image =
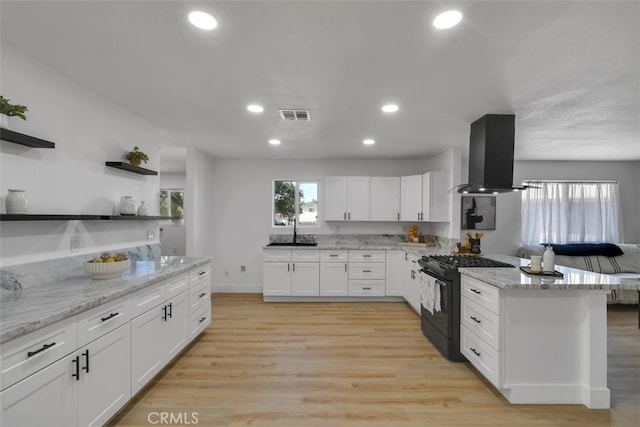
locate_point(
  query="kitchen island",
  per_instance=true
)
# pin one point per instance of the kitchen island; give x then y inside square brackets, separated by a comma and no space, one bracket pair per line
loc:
[539,339]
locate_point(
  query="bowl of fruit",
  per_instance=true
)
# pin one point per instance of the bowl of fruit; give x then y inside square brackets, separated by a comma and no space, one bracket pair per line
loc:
[107,266]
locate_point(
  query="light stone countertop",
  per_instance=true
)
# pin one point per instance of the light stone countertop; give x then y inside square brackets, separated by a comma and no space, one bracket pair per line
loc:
[33,308]
[574,279]
[364,246]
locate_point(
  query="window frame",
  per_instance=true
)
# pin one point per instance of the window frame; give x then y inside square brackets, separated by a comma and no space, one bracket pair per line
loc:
[296,203]
[173,190]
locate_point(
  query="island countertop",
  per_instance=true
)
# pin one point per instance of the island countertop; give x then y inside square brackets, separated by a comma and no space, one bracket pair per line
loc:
[574,279]
[26,310]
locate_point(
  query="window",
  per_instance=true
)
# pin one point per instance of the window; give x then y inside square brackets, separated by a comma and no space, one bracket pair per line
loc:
[172,203]
[571,211]
[291,197]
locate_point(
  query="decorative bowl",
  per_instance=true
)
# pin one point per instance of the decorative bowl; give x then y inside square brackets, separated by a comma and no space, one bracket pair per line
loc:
[107,270]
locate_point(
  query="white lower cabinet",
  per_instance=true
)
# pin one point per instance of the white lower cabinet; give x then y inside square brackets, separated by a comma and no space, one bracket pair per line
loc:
[411,282]
[276,278]
[291,273]
[393,273]
[305,279]
[47,380]
[84,388]
[333,279]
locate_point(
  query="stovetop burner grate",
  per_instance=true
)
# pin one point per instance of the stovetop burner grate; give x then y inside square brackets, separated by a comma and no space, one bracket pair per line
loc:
[467,261]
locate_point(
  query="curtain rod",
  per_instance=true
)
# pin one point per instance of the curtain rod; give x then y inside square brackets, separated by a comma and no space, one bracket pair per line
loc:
[571,181]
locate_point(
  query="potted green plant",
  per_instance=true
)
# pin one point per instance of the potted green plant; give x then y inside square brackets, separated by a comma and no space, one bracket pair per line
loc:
[8,109]
[135,157]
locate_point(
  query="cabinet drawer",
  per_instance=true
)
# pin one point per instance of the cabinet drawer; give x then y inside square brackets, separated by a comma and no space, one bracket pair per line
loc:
[147,298]
[277,255]
[485,358]
[363,270]
[98,321]
[482,322]
[366,288]
[200,320]
[175,285]
[199,296]
[482,293]
[29,353]
[310,255]
[367,256]
[200,275]
[334,256]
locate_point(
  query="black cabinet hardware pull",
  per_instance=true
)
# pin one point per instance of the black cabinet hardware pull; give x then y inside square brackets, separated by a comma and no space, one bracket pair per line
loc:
[201,273]
[86,361]
[202,294]
[164,313]
[333,255]
[398,216]
[476,320]
[76,360]
[170,309]
[474,351]
[345,216]
[345,268]
[366,271]
[294,267]
[43,348]
[349,216]
[203,319]
[366,256]
[475,291]
[367,289]
[112,315]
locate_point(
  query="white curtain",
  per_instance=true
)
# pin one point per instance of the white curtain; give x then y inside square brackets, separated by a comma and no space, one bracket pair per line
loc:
[567,212]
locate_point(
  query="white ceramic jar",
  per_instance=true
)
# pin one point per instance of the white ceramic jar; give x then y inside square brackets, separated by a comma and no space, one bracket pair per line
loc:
[127,206]
[16,202]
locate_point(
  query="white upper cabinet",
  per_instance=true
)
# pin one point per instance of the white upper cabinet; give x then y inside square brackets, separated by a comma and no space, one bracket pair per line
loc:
[436,198]
[385,198]
[411,198]
[347,198]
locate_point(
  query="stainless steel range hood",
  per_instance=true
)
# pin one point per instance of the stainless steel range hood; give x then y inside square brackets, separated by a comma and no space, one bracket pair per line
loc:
[491,155]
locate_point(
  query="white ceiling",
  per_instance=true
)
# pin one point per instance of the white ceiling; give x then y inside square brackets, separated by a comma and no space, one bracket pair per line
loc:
[570,71]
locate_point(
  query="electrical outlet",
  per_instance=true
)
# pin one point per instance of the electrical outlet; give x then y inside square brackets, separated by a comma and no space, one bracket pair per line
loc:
[226,273]
[75,243]
[150,235]
[243,268]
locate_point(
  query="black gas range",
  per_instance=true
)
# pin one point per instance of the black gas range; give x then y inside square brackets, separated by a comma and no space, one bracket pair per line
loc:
[442,328]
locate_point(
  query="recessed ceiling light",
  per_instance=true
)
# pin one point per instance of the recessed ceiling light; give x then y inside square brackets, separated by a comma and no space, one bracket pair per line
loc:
[481,189]
[390,108]
[495,192]
[202,20]
[447,19]
[368,142]
[274,141]
[255,108]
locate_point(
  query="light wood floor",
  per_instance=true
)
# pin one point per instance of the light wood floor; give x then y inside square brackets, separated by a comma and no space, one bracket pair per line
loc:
[355,364]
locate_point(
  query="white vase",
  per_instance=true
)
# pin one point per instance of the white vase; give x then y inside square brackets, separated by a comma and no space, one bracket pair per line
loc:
[127,206]
[16,202]
[142,209]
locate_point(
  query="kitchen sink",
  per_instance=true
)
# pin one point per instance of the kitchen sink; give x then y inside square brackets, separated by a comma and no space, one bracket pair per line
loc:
[293,244]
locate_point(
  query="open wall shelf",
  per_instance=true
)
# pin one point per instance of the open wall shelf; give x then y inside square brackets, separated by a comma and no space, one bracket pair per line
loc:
[130,168]
[22,139]
[71,217]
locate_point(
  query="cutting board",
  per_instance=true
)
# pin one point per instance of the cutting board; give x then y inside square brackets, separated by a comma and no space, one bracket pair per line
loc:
[416,245]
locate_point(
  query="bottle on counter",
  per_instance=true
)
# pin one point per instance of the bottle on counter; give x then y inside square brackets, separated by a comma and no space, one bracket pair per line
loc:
[142,209]
[548,260]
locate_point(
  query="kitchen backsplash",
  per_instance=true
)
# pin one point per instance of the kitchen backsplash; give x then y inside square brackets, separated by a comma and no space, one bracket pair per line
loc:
[37,273]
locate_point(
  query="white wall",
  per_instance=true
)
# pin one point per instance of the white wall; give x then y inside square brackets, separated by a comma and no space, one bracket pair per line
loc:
[240,219]
[506,238]
[72,178]
[173,180]
[200,207]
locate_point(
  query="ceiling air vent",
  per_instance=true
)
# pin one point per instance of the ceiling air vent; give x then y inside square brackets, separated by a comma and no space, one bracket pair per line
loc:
[302,115]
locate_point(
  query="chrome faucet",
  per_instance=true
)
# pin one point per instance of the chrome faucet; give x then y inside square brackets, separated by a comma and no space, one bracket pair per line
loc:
[295,233]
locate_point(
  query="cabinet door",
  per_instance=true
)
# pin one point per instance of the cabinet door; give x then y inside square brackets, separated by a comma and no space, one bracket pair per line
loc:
[436,199]
[46,398]
[147,355]
[335,200]
[305,279]
[105,375]
[358,203]
[385,198]
[394,273]
[276,278]
[176,324]
[410,198]
[333,279]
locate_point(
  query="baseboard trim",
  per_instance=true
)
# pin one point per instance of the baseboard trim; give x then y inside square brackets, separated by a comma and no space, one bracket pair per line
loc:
[237,289]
